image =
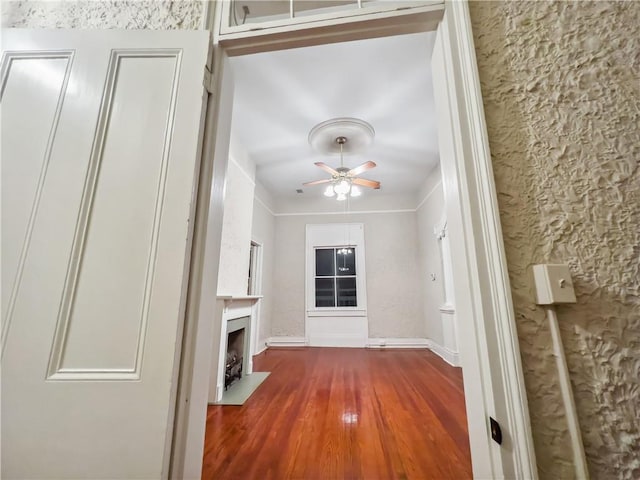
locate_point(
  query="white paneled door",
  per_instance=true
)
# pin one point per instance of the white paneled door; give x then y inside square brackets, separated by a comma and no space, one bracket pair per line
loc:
[100,150]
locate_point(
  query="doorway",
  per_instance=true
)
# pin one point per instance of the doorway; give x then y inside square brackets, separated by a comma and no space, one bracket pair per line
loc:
[489,349]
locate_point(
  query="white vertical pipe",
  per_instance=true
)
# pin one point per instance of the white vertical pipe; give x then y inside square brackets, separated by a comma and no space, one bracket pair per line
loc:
[579,460]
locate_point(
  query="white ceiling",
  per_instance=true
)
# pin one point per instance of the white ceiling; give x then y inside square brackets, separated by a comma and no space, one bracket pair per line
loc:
[280,96]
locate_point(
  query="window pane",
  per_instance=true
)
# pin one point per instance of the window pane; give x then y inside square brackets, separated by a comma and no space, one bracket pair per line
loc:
[347,292]
[324,262]
[325,293]
[346,261]
[258,11]
[315,7]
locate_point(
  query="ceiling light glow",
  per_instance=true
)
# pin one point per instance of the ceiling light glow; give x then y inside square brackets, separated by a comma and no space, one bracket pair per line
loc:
[342,187]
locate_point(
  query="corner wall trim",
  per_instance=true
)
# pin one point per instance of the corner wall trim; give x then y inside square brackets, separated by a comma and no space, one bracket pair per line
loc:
[252,180]
[264,204]
[261,349]
[449,356]
[426,197]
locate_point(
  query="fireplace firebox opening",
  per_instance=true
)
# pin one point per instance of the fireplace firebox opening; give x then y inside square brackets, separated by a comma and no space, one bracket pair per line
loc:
[234,358]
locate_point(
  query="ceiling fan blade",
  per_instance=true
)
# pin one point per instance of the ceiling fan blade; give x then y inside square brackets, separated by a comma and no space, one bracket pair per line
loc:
[317,182]
[326,168]
[366,183]
[361,168]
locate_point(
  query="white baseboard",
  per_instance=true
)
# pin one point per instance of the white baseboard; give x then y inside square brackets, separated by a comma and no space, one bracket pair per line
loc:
[449,356]
[397,343]
[286,342]
[338,341]
[452,358]
[261,347]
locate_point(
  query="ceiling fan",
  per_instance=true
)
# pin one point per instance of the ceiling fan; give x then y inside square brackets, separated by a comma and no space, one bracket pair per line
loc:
[343,180]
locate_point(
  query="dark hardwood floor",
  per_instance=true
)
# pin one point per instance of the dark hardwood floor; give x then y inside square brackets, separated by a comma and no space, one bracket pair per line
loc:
[331,413]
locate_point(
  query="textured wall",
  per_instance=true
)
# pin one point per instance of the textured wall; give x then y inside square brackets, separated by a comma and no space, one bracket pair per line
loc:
[152,15]
[288,277]
[394,303]
[561,88]
[428,215]
[263,232]
[393,297]
[236,231]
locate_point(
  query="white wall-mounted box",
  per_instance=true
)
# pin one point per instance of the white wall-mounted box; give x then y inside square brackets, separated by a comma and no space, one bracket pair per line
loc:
[553,284]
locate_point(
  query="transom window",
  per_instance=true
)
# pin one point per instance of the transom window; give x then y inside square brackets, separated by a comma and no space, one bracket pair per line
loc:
[244,18]
[249,12]
[335,278]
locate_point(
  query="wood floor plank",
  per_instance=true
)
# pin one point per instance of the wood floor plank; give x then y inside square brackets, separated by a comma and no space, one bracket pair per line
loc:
[331,413]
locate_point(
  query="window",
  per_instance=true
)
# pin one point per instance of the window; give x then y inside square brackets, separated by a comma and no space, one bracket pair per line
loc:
[335,271]
[335,277]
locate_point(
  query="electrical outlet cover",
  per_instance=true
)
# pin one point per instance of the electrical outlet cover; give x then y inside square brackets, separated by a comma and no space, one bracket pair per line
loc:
[553,284]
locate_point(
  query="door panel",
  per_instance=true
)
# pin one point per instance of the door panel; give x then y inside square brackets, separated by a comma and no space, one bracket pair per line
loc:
[35,110]
[98,178]
[123,195]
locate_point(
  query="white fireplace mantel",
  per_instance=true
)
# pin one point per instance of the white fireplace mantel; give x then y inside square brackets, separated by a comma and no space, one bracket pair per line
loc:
[234,302]
[235,307]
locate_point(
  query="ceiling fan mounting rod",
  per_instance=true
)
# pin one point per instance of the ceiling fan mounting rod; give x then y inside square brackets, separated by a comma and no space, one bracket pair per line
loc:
[341,140]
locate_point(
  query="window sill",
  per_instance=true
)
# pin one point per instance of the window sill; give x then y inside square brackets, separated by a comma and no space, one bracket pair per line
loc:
[337,312]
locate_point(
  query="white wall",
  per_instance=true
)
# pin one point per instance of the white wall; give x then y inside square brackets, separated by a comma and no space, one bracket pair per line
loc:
[236,225]
[393,276]
[371,200]
[391,241]
[263,232]
[429,214]
[288,276]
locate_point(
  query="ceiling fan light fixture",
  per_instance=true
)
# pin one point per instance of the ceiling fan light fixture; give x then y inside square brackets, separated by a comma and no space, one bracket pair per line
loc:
[343,135]
[342,187]
[329,191]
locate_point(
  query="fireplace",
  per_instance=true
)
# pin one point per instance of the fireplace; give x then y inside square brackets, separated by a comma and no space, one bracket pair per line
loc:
[236,353]
[234,357]
[233,364]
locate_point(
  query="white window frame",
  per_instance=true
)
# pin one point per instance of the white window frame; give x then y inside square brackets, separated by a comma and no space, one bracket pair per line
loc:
[359,9]
[335,235]
[335,275]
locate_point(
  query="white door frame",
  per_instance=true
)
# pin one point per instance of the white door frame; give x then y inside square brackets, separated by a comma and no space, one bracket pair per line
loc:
[490,355]
[256,289]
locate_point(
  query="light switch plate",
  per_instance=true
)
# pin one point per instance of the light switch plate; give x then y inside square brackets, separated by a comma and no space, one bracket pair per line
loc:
[553,284]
